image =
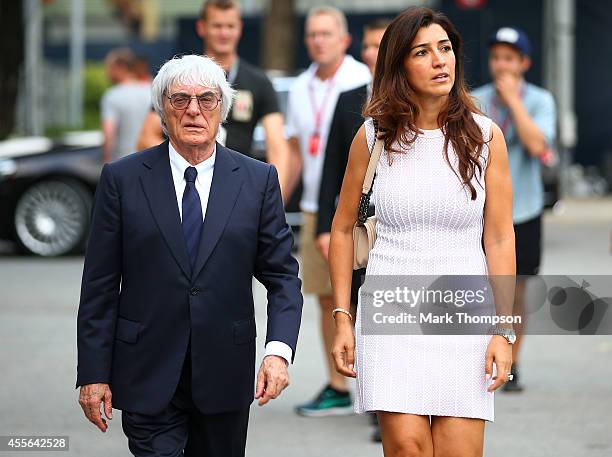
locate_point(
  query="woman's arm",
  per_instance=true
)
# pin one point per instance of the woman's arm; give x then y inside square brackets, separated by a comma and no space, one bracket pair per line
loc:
[498,240]
[341,250]
[498,233]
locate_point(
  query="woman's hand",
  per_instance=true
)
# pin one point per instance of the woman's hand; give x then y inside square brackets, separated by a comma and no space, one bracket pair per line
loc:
[344,346]
[500,352]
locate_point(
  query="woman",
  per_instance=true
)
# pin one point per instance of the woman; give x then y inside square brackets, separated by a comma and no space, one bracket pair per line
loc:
[440,159]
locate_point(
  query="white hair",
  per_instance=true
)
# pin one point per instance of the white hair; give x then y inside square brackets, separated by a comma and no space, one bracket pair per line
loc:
[194,70]
[332,11]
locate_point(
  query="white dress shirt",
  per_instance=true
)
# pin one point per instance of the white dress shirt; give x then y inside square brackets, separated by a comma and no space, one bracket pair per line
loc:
[306,90]
[205,169]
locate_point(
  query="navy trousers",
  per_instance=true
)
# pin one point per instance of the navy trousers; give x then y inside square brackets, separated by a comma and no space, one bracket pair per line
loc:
[182,430]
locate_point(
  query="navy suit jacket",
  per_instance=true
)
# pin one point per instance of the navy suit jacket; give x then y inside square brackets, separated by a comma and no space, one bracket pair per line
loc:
[141,303]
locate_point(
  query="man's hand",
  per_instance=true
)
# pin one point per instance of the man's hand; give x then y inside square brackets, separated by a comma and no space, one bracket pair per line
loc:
[90,397]
[271,379]
[509,88]
[323,244]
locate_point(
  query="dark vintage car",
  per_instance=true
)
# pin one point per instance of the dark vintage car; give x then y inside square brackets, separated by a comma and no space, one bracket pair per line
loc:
[46,192]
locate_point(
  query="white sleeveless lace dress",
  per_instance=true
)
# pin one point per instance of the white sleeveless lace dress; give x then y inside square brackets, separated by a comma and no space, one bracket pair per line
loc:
[427,225]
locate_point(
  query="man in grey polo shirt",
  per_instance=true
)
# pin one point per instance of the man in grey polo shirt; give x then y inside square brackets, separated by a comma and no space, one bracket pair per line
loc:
[526,115]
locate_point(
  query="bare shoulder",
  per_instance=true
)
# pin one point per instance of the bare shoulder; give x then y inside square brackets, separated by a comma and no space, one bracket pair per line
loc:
[361,134]
[498,152]
[359,146]
[497,137]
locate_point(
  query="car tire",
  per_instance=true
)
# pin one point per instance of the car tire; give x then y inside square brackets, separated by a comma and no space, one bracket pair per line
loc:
[52,217]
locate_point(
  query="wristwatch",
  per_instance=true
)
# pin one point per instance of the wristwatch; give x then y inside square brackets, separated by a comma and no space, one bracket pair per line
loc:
[506,332]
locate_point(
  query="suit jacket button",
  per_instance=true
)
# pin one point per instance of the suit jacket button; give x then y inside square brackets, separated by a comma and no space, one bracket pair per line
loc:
[194,291]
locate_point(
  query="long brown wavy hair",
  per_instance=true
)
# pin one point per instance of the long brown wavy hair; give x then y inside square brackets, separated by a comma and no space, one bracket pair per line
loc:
[393,103]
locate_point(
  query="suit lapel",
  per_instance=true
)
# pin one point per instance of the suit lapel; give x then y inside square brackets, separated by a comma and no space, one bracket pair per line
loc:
[158,186]
[224,190]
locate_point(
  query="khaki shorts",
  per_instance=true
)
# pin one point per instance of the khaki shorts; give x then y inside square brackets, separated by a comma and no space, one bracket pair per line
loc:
[315,270]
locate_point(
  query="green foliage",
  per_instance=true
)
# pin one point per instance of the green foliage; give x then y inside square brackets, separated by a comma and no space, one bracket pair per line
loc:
[96,83]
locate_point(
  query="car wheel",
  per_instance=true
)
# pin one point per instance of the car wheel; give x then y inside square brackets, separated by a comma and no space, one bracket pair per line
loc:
[52,217]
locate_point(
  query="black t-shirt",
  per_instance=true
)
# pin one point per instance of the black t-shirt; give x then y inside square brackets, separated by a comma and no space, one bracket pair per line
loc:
[255,98]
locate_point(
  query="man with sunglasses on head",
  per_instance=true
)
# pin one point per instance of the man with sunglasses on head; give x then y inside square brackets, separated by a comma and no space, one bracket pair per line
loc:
[311,104]
[220,28]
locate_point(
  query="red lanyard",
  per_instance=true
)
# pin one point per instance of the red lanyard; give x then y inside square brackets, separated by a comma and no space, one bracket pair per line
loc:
[315,139]
[504,123]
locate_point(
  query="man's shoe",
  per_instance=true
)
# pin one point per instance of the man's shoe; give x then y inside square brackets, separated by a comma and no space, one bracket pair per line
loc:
[329,402]
[514,385]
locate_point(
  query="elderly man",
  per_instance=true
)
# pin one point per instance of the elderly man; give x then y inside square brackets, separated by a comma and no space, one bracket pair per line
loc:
[166,326]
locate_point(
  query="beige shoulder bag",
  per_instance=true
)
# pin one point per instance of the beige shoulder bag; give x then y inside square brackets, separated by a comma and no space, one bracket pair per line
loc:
[364,230]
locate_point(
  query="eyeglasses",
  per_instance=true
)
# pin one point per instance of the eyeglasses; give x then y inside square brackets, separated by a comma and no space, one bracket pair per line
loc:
[208,101]
[323,34]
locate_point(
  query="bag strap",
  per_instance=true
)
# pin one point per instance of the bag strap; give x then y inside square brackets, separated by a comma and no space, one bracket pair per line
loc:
[368,180]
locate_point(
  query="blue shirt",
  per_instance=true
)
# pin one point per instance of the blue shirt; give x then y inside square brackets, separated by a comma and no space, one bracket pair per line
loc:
[527,187]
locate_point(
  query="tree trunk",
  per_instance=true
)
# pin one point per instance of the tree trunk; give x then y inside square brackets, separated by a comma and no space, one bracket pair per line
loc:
[11,59]
[279,36]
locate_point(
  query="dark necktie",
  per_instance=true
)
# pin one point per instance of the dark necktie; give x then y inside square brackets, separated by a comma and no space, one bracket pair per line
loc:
[192,214]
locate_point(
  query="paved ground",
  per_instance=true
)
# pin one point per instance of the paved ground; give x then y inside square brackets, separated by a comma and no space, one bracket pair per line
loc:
[566,410]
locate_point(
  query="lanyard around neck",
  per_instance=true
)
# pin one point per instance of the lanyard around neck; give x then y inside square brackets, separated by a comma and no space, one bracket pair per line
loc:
[504,124]
[317,111]
[314,143]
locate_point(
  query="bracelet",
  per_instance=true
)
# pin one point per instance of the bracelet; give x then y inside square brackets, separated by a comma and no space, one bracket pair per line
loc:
[341,310]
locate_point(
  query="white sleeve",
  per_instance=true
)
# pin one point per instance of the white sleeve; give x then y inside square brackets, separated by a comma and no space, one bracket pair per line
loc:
[292,128]
[280,349]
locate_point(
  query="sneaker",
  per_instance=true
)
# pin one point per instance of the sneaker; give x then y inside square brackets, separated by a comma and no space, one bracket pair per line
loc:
[514,385]
[329,402]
